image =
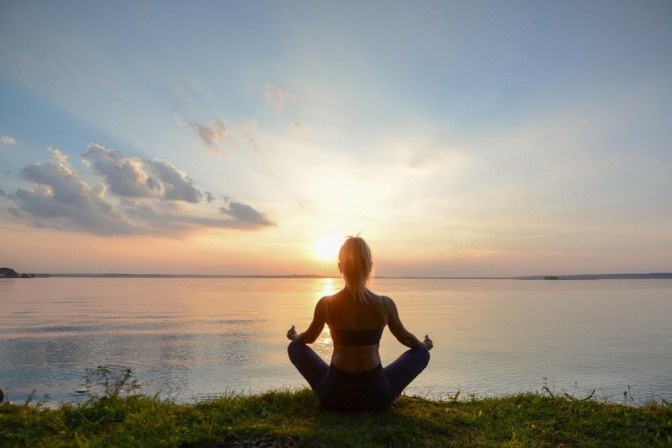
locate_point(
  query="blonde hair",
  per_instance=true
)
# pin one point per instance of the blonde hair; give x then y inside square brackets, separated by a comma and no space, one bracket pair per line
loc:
[354,261]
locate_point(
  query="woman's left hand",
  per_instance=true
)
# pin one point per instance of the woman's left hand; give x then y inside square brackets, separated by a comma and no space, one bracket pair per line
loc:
[428,343]
[291,333]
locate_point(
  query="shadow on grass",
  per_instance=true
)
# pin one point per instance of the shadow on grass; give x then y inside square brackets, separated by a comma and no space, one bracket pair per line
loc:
[286,419]
[303,423]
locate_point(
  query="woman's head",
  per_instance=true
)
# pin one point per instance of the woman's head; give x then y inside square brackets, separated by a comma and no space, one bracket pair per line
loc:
[354,262]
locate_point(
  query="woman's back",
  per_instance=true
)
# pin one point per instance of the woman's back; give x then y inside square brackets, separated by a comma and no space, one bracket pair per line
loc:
[356,327]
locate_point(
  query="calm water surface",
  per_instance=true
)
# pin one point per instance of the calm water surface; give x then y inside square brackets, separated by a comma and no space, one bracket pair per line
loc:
[190,338]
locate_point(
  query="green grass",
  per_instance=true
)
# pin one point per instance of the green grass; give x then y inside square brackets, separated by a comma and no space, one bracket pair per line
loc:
[295,419]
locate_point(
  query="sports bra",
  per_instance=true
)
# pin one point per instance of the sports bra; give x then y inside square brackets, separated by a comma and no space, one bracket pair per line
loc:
[359,337]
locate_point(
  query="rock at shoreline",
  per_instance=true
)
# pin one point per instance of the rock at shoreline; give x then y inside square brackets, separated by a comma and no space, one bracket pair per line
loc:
[11,273]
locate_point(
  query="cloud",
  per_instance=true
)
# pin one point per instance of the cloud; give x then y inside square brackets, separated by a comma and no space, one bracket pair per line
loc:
[126,176]
[134,177]
[209,133]
[245,213]
[171,221]
[278,96]
[174,184]
[184,91]
[137,196]
[6,140]
[299,126]
[217,134]
[62,199]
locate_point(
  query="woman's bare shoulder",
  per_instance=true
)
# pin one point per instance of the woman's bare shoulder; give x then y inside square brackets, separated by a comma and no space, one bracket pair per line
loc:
[383,297]
[380,298]
[321,304]
[389,304]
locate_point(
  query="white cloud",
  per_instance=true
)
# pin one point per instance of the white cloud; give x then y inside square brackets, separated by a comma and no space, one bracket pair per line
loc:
[138,196]
[173,221]
[59,156]
[210,133]
[278,96]
[246,214]
[6,140]
[299,126]
[63,200]
[126,176]
[134,177]
[174,184]
[218,135]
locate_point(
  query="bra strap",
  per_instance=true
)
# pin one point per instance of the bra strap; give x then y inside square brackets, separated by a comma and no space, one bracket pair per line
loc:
[384,311]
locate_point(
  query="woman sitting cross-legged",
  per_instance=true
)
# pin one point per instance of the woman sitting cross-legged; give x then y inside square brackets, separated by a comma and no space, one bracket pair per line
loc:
[355,379]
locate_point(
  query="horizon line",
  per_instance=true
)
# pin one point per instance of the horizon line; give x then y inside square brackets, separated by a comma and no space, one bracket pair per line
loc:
[622,275]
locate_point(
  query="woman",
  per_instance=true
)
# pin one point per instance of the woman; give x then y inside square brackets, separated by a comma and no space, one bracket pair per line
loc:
[355,379]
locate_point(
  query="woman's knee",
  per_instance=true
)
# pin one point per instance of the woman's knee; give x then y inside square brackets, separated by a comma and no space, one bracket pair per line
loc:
[294,349]
[422,354]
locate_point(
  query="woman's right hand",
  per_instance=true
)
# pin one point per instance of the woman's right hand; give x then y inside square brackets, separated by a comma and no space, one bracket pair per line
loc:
[428,343]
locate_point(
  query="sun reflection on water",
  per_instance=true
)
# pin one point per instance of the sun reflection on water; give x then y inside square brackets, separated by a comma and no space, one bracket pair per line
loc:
[328,287]
[323,344]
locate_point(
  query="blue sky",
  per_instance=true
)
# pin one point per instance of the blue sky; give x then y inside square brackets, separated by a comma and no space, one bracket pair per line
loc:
[460,138]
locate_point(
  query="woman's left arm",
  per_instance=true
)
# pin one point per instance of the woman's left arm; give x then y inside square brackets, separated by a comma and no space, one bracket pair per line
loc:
[314,329]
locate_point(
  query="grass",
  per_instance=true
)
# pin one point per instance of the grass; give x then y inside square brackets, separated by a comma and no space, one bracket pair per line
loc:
[121,417]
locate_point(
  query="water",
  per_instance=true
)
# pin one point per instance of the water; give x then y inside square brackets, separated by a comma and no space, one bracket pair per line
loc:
[192,338]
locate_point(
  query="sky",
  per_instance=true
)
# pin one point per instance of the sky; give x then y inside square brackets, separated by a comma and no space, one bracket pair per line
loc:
[484,138]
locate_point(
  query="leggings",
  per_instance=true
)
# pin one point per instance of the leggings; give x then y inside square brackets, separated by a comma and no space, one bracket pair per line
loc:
[376,389]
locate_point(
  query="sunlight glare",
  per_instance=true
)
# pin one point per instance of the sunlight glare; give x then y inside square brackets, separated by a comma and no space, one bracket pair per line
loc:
[326,247]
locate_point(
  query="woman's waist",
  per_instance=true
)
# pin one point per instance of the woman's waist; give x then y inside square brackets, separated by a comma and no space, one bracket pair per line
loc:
[355,359]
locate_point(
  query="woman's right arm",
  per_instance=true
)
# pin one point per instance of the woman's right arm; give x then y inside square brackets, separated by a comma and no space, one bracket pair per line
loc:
[397,328]
[315,327]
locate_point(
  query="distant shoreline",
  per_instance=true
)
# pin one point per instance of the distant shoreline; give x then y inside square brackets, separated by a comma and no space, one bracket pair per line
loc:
[624,276]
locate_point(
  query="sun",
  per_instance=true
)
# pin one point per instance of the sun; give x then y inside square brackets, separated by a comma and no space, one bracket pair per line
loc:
[326,247]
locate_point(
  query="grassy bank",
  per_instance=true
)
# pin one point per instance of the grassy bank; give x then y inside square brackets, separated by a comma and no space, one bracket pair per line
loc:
[294,419]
